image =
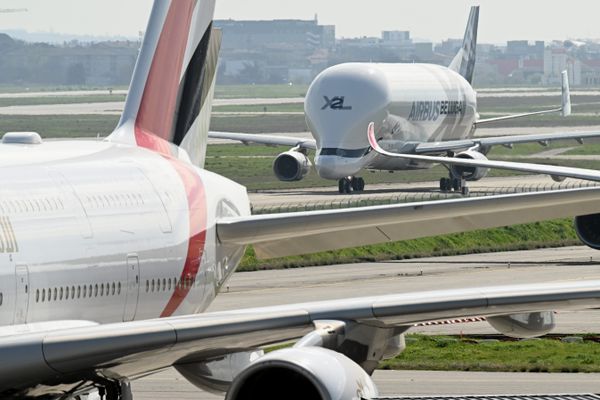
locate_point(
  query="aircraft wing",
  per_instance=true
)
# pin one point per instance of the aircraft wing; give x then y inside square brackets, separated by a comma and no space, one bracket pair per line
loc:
[544,138]
[567,172]
[133,349]
[269,140]
[279,235]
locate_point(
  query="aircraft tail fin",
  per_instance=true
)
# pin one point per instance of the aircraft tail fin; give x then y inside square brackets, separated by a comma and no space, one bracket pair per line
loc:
[170,97]
[464,62]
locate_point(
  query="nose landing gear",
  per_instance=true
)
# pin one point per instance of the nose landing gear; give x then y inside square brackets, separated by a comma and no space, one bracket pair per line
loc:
[454,184]
[351,184]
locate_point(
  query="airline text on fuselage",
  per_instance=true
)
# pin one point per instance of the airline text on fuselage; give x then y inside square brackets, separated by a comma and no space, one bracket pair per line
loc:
[432,110]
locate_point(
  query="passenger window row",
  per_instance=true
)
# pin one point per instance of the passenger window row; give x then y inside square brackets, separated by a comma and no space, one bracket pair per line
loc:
[165,285]
[114,200]
[1,298]
[77,292]
[31,205]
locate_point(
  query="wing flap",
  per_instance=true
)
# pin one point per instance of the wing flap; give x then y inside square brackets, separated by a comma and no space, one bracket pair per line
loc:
[278,235]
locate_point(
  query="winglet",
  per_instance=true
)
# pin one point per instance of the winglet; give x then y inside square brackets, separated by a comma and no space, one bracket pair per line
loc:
[372,139]
[566,95]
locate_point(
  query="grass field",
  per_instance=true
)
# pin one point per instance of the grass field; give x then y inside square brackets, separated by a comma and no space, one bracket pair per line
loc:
[450,354]
[60,126]
[259,91]
[47,100]
[520,237]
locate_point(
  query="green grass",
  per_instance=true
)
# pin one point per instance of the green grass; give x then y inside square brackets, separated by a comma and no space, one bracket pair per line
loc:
[259,91]
[60,126]
[47,100]
[520,237]
[293,107]
[545,355]
[259,123]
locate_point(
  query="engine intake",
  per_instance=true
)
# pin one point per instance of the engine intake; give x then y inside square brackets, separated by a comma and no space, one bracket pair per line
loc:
[588,230]
[470,173]
[291,166]
[303,373]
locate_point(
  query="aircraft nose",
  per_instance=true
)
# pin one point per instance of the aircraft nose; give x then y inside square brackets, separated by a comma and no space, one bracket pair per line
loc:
[336,167]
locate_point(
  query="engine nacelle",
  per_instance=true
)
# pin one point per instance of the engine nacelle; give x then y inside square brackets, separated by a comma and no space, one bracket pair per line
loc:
[588,230]
[470,173]
[303,373]
[291,166]
[524,326]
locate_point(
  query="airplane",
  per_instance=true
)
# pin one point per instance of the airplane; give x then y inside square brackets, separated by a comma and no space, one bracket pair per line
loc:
[111,251]
[421,109]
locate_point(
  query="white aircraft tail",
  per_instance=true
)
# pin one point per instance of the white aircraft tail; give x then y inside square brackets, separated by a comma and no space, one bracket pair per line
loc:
[464,62]
[170,98]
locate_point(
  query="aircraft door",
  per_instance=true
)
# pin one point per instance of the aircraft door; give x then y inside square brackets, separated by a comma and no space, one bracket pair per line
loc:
[132,289]
[22,294]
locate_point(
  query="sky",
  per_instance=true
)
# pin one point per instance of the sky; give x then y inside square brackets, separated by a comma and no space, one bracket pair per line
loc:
[427,19]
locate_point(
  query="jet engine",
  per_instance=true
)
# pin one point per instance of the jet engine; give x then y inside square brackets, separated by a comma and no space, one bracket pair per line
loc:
[524,326]
[470,173]
[291,166]
[588,230]
[303,373]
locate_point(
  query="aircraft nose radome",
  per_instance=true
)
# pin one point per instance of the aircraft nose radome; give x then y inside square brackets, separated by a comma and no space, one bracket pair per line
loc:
[335,167]
[343,99]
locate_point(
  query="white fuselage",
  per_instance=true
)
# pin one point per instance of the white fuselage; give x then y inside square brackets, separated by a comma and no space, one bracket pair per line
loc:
[96,231]
[409,103]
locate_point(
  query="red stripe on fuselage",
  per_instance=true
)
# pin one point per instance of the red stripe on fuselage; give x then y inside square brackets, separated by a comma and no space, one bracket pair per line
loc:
[157,108]
[196,197]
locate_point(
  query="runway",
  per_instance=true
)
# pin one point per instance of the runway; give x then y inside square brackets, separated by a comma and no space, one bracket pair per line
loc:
[171,385]
[264,288]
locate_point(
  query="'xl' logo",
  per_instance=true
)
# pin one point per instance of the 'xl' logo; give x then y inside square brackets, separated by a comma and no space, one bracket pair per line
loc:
[336,103]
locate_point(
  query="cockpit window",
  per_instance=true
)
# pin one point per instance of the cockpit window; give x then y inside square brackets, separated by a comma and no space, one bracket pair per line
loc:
[331,151]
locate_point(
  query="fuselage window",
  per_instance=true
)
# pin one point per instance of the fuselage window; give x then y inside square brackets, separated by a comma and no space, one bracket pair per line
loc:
[113,289]
[43,295]
[96,290]
[1,298]
[67,293]
[55,294]
[37,296]
[90,291]
[61,294]
[72,292]
[164,287]
[101,289]
[79,291]
[147,285]
[169,284]
[119,288]
[84,291]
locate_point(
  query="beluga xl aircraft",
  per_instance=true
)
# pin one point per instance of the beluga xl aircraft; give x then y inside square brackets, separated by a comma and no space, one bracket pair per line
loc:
[111,251]
[419,109]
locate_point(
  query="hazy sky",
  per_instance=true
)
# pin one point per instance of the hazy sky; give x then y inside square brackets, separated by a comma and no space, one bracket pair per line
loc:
[429,19]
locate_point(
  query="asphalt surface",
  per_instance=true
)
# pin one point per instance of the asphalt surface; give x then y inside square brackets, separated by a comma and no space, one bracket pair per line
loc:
[402,191]
[265,288]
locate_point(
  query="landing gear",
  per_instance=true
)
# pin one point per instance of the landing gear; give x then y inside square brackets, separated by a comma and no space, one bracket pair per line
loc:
[454,184]
[119,390]
[351,184]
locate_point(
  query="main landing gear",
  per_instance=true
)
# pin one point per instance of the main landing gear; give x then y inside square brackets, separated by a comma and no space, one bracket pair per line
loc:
[454,184]
[351,184]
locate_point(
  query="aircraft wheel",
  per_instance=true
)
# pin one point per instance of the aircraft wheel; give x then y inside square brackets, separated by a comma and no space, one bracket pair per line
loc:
[465,191]
[445,184]
[341,185]
[361,184]
[456,184]
[347,186]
